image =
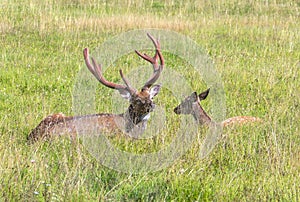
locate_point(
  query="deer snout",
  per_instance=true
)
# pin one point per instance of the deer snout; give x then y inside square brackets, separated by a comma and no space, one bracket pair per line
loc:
[152,107]
[177,110]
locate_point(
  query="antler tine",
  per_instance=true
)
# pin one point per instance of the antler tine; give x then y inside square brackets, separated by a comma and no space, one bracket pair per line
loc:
[154,61]
[145,57]
[88,64]
[130,89]
[96,70]
[155,42]
[157,55]
[158,52]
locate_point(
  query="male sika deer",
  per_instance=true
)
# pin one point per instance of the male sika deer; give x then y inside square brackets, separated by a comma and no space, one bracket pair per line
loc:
[133,121]
[191,105]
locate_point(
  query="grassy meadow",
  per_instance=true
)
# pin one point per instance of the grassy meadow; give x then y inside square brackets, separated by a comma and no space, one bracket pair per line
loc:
[255,47]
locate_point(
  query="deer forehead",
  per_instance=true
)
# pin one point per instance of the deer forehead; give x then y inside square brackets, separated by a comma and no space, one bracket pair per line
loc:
[143,94]
[188,100]
[141,99]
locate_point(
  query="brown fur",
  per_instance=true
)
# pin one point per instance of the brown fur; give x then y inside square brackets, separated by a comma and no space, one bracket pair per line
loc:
[59,124]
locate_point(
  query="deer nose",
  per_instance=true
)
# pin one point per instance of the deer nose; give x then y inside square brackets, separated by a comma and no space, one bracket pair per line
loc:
[176,110]
[152,106]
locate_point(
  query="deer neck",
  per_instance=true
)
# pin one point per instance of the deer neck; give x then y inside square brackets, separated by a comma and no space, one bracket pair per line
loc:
[200,115]
[133,118]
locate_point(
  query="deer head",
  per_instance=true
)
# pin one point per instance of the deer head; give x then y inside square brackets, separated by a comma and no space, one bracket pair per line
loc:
[186,106]
[191,105]
[141,102]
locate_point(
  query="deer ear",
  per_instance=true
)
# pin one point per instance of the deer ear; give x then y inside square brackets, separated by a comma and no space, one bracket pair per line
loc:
[154,90]
[203,95]
[194,97]
[125,94]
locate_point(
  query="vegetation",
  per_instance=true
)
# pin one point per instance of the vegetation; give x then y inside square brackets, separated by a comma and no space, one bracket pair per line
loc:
[255,47]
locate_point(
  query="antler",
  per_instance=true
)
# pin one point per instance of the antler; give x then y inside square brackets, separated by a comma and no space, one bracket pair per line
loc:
[96,70]
[154,61]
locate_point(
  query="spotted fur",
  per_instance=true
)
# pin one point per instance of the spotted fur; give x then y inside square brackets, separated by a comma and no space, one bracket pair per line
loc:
[132,122]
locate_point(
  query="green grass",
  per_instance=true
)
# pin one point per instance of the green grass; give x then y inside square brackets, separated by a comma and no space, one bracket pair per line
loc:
[255,47]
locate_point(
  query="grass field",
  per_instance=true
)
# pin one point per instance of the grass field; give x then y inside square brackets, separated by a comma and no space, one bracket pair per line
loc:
[255,47]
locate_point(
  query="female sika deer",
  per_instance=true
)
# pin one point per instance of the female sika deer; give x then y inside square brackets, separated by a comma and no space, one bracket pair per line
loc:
[133,121]
[191,105]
